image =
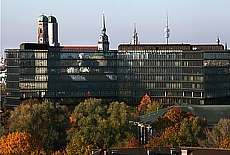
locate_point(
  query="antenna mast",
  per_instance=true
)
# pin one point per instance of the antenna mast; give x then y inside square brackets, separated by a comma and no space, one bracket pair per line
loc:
[167,30]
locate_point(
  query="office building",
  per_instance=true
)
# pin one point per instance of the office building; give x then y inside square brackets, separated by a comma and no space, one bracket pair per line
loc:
[169,73]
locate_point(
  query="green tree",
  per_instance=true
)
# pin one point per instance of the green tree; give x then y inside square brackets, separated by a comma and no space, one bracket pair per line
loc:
[119,116]
[192,131]
[2,131]
[47,122]
[79,146]
[101,125]
[154,106]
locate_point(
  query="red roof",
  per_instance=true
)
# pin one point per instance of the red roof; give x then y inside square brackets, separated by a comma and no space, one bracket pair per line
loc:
[78,47]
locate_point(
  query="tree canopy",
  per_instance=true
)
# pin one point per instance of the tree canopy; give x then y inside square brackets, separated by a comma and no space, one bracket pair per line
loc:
[20,143]
[178,128]
[147,106]
[47,122]
[219,133]
[101,125]
[154,106]
[143,106]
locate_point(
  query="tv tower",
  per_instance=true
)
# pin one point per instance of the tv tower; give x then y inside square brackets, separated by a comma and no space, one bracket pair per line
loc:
[167,30]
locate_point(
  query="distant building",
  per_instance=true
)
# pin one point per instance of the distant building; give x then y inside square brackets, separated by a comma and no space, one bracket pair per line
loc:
[170,73]
[175,73]
[48,30]
[78,72]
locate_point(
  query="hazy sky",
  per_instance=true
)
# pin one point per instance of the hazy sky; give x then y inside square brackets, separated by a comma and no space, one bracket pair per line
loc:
[190,21]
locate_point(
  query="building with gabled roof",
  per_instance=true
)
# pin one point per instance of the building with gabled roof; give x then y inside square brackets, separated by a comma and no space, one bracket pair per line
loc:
[211,113]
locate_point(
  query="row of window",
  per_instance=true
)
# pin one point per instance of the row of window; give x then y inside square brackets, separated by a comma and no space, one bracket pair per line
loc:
[220,55]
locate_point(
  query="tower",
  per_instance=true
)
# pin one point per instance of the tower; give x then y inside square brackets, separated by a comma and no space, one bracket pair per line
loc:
[135,37]
[43,29]
[53,31]
[103,42]
[167,30]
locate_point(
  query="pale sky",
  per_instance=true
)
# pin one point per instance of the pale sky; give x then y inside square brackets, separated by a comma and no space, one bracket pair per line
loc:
[190,21]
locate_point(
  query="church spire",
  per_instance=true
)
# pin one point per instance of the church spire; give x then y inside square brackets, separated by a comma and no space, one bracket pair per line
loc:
[103,29]
[135,37]
[103,42]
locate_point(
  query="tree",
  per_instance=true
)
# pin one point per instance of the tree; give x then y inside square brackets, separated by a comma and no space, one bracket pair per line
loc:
[177,128]
[154,106]
[2,131]
[47,122]
[225,144]
[220,132]
[100,125]
[172,117]
[20,143]
[30,101]
[132,143]
[192,131]
[79,146]
[119,115]
[143,106]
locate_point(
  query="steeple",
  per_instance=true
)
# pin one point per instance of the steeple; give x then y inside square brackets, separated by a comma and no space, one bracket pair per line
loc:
[135,37]
[103,29]
[103,42]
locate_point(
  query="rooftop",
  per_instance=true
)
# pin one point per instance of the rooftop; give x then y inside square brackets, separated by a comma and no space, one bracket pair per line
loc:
[212,113]
[183,47]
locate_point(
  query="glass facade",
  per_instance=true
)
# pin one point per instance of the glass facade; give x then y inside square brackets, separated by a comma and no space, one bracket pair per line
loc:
[193,77]
[58,74]
[217,76]
[157,73]
[76,73]
[172,75]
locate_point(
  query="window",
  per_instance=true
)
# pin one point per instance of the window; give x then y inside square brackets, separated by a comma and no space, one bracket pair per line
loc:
[40,30]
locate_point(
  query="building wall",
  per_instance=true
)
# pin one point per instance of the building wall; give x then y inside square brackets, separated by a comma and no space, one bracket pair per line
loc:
[193,77]
[156,72]
[217,77]
[175,74]
[57,74]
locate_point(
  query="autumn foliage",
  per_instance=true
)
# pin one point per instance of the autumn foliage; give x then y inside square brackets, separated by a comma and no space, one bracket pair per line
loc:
[177,128]
[143,106]
[225,144]
[132,143]
[20,143]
